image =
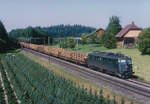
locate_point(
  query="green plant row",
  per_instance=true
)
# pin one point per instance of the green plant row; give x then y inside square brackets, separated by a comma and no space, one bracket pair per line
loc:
[30,86]
[55,90]
[2,96]
[19,89]
[26,82]
[9,91]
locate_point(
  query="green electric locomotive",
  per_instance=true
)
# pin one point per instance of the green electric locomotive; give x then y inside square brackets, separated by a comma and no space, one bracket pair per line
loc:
[116,64]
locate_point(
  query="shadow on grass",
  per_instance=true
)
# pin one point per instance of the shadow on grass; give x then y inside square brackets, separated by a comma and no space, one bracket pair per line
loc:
[137,77]
[11,46]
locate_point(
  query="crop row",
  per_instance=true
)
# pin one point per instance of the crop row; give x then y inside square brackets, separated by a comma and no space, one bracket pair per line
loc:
[2,96]
[9,91]
[19,89]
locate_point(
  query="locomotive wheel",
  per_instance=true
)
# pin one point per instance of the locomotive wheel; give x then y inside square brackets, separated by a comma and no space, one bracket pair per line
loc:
[123,76]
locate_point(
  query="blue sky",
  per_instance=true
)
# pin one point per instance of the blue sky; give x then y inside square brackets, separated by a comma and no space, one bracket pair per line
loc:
[96,13]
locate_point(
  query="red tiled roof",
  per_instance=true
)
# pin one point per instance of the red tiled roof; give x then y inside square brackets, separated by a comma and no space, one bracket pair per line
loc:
[126,29]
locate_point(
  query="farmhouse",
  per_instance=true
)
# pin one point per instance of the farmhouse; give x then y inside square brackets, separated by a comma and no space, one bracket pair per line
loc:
[128,36]
[95,35]
[99,32]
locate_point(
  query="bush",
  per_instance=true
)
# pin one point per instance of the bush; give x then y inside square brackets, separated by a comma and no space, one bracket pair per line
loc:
[109,40]
[83,39]
[68,43]
[144,41]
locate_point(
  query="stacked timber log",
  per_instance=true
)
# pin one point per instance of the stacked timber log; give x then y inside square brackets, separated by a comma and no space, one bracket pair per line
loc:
[65,54]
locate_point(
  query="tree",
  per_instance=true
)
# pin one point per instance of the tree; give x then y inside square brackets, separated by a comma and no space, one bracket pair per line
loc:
[98,39]
[71,43]
[67,43]
[38,35]
[144,41]
[92,38]
[114,25]
[59,31]
[109,40]
[3,32]
[3,37]
[83,39]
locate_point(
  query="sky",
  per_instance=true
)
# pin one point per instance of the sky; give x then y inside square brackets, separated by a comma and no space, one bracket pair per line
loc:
[96,13]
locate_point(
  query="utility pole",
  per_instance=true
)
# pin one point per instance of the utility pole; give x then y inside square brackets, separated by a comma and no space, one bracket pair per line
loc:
[48,41]
[77,45]
[34,41]
[49,59]
[44,41]
[59,43]
[30,40]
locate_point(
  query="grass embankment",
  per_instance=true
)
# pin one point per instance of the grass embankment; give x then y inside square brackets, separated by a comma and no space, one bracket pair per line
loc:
[141,63]
[75,79]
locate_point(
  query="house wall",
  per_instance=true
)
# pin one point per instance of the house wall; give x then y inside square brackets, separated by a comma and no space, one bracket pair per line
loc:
[100,32]
[120,44]
[131,34]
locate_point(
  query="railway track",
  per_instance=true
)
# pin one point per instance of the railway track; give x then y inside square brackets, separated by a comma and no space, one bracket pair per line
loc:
[139,82]
[137,90]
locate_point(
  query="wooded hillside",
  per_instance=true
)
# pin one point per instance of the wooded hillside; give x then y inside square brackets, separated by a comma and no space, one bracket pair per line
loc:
[68,30]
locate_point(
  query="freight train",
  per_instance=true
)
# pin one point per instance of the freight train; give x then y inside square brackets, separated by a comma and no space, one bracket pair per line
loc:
[111,63]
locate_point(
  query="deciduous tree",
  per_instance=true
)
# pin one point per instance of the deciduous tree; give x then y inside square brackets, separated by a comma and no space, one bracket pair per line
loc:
[83,39]
[144,41]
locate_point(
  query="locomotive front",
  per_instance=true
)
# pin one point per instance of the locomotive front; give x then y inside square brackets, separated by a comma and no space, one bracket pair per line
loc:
[125,67]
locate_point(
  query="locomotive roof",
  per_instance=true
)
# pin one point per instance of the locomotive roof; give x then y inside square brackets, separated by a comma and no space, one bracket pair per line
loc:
[108,55]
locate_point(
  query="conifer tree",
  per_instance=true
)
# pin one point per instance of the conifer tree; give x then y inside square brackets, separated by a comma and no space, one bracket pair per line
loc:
[3,37]
[3,32]
[113,28]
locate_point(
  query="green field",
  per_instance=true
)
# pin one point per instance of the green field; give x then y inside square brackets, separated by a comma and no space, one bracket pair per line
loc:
[141,63]
[34,83]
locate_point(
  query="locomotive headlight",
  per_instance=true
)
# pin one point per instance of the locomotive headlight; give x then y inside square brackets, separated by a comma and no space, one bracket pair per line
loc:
[123,60]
